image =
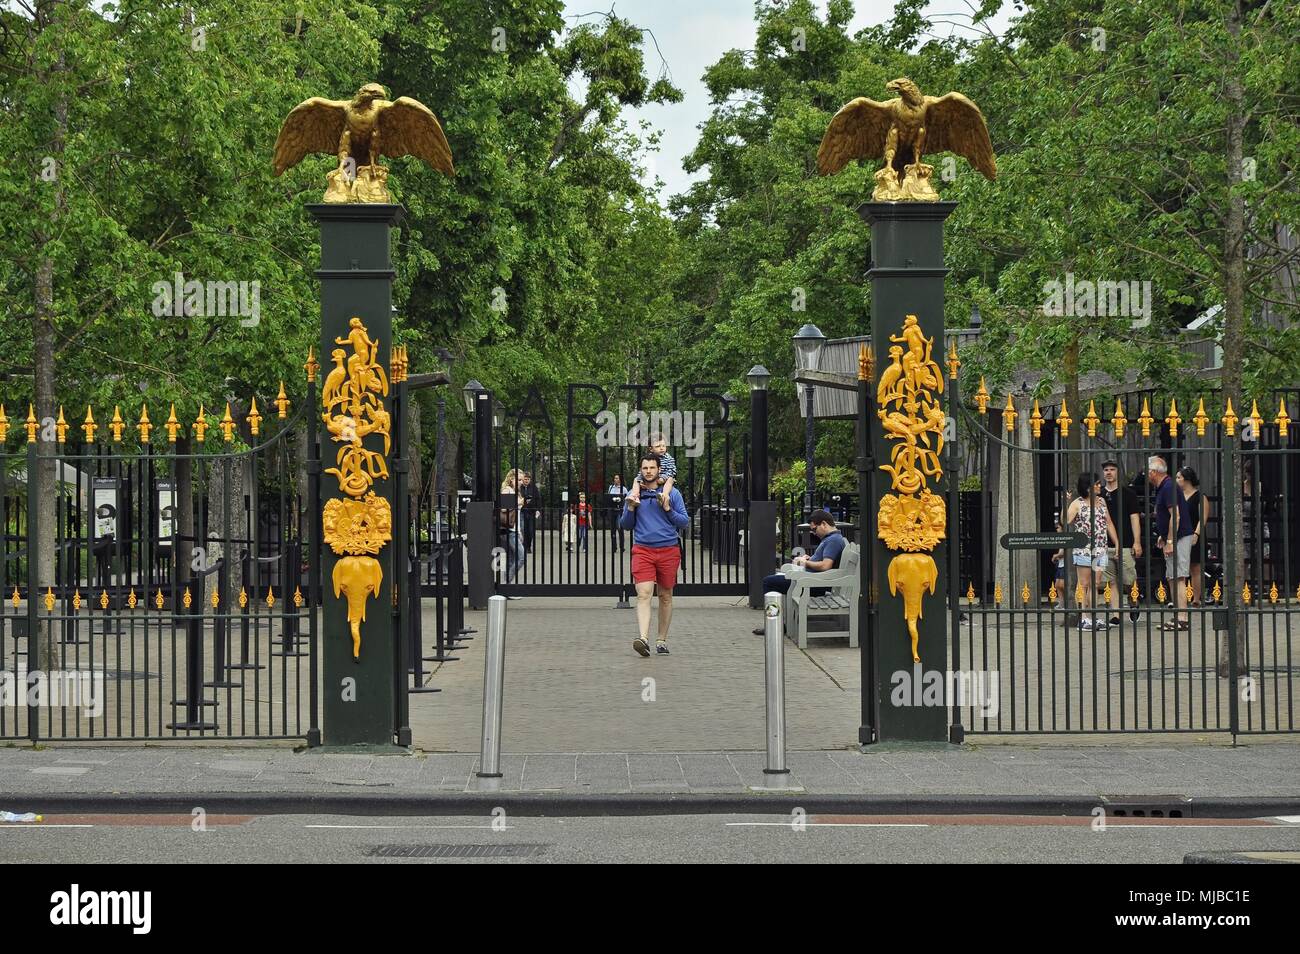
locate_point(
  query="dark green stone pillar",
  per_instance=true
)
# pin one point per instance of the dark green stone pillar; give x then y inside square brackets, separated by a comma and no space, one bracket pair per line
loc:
[356,277]
[907,275]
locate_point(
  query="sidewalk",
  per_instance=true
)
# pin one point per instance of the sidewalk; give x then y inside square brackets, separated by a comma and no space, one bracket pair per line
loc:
[1219,781]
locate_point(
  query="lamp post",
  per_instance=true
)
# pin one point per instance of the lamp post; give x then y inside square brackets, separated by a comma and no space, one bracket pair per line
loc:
[808,343]
[728,402]
[478,404]
[762,511]
[758,377]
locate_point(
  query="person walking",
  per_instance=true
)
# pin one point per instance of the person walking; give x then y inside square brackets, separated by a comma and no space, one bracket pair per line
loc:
[1087,514]
[826,557]
[1125,514]
[509,503]
[616,494]
[584,521]
[656,556]
[532,509]
[1173,537]
[1198,516]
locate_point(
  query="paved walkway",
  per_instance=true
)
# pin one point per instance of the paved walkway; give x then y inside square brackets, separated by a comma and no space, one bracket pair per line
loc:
[1254,771]
[574,684]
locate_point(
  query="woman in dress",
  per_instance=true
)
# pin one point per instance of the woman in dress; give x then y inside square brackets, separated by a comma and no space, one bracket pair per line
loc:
[1198,516]
[1087,514]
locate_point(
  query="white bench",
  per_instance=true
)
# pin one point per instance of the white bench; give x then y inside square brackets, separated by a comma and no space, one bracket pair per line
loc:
[842,600]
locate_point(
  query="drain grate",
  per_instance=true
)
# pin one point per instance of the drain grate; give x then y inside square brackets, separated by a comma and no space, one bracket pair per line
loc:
[456,851]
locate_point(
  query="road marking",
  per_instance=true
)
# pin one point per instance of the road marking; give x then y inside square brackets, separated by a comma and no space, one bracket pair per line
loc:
[817,824]
[420,827]
[35,825]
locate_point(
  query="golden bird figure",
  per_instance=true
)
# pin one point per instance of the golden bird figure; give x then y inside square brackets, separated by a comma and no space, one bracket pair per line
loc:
[903,131]
[359,131]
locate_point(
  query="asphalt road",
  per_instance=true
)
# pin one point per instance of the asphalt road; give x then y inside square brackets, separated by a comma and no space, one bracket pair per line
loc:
[678,839]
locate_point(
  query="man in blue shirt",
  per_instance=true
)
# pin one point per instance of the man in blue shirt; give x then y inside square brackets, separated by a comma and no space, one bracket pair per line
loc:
[1174,537]
[656,555]
[825,557]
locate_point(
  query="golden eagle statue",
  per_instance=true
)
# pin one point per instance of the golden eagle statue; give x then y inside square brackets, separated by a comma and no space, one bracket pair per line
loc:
[902,131]
[359,132]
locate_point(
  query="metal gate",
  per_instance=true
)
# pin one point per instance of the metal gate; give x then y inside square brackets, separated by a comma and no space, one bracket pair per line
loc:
[180,603]
[1214,652]
[571,537]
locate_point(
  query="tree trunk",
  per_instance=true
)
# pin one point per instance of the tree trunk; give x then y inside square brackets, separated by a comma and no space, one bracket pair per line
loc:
[43,483]
[1234,314]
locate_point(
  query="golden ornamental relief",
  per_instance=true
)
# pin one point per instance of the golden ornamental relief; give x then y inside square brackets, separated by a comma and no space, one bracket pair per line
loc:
[357,526]
[913,520]
[360,524]
[353,397]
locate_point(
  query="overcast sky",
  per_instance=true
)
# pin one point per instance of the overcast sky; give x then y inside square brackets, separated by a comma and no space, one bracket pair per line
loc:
[692,35]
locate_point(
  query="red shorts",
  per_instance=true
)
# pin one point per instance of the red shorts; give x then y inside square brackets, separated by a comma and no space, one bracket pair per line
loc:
[656,563]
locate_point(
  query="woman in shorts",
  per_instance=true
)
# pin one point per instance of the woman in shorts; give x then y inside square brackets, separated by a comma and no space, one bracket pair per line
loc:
[1087,515]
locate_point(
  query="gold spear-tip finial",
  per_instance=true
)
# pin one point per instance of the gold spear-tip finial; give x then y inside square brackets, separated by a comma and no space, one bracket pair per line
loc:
[254,420]
[1172,418]
[1256,419]
[90,426]
[1283,420]
[1092,420]
[954,362]
[201,425]
[311,366]
[4,425]
[282,403]
[227,425]
[1145,419]
[32,424]
[1036,420]
[982,397]
[1200,418]
[61,426]
[116,424]
[172,424]
[144,426]
[1009,415]
[1119,421]
[1229,420]
[1063,419]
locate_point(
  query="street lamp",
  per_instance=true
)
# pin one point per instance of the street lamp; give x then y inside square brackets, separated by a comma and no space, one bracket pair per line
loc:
[808,344]
[758,377]
[471,390]
[478,404]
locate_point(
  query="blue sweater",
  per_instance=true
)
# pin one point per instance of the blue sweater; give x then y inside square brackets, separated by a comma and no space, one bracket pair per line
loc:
[653,525]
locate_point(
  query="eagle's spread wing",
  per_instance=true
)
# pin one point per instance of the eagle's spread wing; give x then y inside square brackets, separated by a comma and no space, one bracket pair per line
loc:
[858,131]
[409,128]
[954,124]
[315,125]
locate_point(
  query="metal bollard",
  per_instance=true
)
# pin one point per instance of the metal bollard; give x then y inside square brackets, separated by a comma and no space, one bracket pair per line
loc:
[494,672]
[774,672]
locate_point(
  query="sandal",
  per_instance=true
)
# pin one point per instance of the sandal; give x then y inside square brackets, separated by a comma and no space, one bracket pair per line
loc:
[1169,626]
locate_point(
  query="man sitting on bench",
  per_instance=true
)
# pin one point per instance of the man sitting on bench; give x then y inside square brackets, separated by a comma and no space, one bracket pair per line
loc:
[825,557]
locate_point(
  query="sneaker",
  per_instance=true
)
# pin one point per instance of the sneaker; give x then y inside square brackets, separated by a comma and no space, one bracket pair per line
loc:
[641,646]
[1100,623]
[760,631]
[1114,619]
[661,648]
[1085,623]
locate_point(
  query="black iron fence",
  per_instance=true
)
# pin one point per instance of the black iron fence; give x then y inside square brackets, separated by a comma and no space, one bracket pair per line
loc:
[1131,641]
[175,600]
